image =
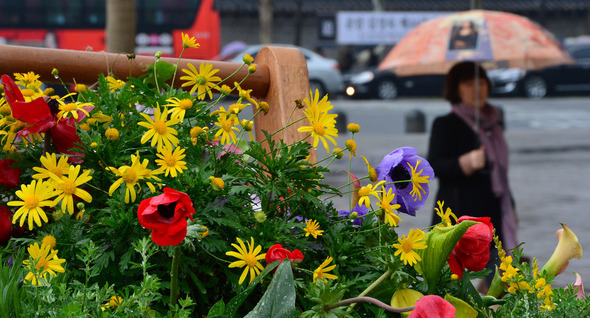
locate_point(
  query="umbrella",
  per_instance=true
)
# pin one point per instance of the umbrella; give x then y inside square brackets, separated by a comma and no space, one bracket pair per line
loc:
[497,39]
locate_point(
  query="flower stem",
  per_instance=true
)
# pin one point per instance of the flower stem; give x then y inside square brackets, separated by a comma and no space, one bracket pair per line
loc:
[371,300]
[174,276]
[376,283]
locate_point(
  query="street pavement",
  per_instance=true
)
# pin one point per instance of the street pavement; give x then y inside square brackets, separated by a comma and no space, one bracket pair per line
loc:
[549,176]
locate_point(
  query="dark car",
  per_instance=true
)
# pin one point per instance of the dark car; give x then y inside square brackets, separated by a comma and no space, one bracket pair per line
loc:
[555,80]
[373,84]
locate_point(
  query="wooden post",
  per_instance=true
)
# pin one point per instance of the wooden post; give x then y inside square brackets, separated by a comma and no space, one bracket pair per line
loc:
[281,76]
[289,81]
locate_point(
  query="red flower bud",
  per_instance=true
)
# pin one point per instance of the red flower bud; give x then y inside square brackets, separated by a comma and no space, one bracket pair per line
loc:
[277,252]
[472,252]
[9,177]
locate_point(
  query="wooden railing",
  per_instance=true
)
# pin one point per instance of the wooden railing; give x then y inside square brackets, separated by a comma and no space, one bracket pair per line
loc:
[281,76]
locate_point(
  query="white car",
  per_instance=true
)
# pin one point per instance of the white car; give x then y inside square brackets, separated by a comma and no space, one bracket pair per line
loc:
[324,73]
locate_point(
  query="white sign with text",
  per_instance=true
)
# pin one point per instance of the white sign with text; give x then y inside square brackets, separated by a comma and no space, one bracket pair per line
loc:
[382,27]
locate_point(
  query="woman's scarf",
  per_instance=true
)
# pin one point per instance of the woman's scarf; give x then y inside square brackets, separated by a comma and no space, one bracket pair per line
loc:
[491,136]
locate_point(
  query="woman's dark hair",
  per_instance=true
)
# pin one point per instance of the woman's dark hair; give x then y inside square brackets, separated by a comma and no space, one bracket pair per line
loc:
[461,72]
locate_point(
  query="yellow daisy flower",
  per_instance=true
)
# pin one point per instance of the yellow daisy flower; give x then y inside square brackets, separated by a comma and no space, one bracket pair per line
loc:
[71,109]
[171,161]
[130,175]
[226,128]
[114,302]
[179,107]
[160,131]
[366,191]
[188,41]
[52,166]
[312,228]
[28,80]
[202,81]
[68,187]
[114,83]
[46,262]
[385,204]
[370,170]
[34,196]
[446,215]
[248,257]
[320,273]
[407,246]
[322,124]
[417,180]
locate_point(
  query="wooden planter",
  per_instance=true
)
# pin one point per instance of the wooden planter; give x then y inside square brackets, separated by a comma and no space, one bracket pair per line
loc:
[281,76]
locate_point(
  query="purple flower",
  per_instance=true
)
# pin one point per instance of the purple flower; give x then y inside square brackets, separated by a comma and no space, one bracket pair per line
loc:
[360,211]
[404,164]
[10,261]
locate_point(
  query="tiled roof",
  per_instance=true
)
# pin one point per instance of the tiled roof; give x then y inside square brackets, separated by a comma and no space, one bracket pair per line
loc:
[331,6]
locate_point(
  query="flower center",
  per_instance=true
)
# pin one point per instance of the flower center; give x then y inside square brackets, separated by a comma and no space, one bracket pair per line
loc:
[364,191]
[171,161]
[185,104]
[167,210]
[42,263]
[399,172]
[318,129]
[201,80]
[56,171]
[407,246]
[31,202]
[250,260]
[68,187]
[69,107]
[130,176]
[226,125]
[27,92]
[160,127]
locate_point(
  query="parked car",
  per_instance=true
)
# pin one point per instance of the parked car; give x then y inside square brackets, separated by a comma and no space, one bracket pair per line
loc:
[555,80]
[373,84]
[324,73]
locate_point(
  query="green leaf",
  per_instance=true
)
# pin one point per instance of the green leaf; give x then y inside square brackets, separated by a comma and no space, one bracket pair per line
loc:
[463,308]
[279,298]
[217,309]
[234,304]
[440,242]
[163,70]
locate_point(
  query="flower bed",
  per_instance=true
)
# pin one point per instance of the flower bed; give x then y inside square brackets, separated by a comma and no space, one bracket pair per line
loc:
[132,198]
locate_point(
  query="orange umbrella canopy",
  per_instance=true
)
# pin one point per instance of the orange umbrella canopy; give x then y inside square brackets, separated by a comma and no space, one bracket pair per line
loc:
[497,39]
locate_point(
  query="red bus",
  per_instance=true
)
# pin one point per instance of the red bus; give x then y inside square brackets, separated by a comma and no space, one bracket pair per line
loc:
[80,25]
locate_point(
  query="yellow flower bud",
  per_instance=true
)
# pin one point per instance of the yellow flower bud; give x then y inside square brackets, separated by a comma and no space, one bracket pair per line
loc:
[49,91]
[259,216]
[196,131]
[217,184]
[112,134]
[54,72]
[252,68]
[225,90]
[94,145]
[80,88]
[264,107]
[351,146]
[85,126]
[338,153]
[49,240]
[353,128]
[248,59]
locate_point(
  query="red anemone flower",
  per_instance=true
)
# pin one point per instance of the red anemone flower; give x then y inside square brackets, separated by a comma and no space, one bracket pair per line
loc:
[166,215]
[9,177]
[5,224]
[42,118]
[277,252]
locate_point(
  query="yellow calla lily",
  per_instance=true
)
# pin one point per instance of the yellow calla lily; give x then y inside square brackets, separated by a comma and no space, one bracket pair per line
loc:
[567,248]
